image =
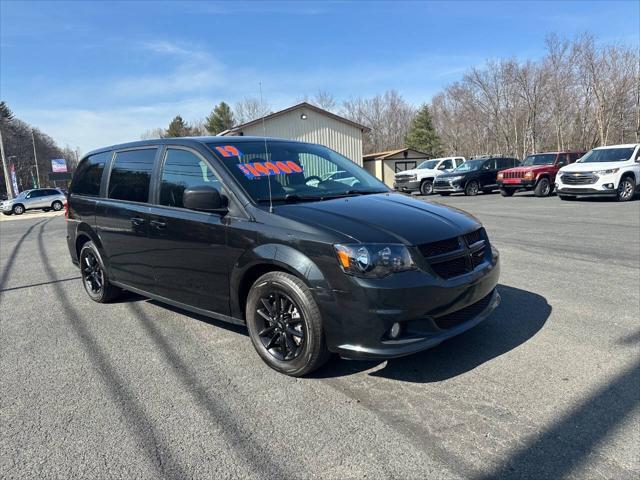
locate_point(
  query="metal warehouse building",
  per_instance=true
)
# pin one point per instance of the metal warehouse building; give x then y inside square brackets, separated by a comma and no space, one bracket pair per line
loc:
[308,123]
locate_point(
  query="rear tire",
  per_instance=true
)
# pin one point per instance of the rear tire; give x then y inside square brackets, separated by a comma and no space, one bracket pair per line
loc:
[626,189]
[543,188]
[472,189]
[285,324]
[507,192]
[426,187]
[18,209]
[94,275]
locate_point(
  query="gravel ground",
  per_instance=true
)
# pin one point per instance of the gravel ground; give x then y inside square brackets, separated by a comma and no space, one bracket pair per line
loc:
[547,387]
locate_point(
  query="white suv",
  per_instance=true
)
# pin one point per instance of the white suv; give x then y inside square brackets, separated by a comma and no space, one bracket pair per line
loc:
[609,171]
[421,178]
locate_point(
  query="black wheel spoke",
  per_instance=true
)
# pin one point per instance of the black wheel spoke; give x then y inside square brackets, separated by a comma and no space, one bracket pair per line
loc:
[294,332]
[266,331]
[268,306]
[273,341]
[265,315]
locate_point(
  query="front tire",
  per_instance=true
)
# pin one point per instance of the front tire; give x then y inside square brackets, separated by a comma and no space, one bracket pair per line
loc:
[543,188]
[285,324]
[426,187]
[18,209]
[626,189]
[472,188]
[94,275]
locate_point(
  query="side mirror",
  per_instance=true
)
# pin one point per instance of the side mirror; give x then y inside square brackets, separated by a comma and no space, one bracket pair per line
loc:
[204,198]
[442,167]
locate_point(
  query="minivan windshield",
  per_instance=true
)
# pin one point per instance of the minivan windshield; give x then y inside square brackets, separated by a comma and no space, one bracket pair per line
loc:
[293,172]
[539,159]
[608,155]
[430,164]
[470,165]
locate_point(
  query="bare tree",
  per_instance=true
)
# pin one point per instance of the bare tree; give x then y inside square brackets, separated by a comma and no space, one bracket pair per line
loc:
[250,109]
[388,116]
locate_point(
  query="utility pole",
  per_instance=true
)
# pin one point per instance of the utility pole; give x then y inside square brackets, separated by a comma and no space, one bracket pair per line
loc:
[35,157]
[7,180]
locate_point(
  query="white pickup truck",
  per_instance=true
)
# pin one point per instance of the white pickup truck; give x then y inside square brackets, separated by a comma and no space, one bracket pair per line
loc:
[420,179]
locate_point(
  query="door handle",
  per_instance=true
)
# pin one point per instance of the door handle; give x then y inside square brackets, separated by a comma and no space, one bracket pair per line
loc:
[158,224]
[137,221]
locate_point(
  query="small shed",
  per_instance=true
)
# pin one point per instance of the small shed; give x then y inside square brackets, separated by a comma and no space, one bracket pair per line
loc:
[384,165]
[308,123]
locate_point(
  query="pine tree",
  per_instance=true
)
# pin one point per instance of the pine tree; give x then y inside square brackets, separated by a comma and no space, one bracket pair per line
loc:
[422,136]
[178,128]
[220,119]
[5,111]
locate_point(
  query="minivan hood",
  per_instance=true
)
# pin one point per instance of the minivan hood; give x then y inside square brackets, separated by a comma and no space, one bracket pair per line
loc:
[592,166]
[385,217]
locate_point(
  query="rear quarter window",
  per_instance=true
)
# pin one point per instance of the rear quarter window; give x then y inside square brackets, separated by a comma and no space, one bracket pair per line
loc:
[88,176]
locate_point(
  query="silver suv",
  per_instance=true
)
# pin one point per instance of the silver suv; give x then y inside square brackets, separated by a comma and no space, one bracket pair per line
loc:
[37,199]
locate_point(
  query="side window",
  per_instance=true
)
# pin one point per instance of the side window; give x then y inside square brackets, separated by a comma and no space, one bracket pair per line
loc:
[131,175]
[88,176]
[181,170]
[563,159]
[459,161]
[51,191]
[489,165]
[446,165]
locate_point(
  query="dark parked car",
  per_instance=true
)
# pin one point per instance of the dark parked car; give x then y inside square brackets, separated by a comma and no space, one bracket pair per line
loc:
[474,176]
[253,232]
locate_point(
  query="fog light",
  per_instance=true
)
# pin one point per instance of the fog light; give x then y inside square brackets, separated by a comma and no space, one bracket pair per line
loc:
[608,186]
[395,330]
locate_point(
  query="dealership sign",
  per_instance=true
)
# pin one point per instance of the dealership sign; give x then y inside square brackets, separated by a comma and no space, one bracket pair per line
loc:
[58,165]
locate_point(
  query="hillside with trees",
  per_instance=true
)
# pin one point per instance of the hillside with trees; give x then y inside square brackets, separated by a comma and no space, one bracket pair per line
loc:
[19,149]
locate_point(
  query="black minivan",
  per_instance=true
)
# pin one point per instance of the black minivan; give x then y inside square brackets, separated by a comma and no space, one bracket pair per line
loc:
[474,176]
[257,231]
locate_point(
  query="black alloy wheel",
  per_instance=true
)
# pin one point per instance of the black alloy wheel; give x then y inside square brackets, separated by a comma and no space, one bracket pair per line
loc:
[283,327]
[285,324]
[94,277]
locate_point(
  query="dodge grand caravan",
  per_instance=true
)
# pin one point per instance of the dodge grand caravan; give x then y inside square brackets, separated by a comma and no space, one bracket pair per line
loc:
[252,231]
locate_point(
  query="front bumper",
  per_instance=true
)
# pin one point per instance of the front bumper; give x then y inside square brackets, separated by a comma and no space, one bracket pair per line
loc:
[604,185]
[447,187]
[410,186]
[428,308]
[517,183]
[6,207]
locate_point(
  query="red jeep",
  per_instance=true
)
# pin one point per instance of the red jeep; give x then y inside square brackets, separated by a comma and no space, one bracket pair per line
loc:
[537,172]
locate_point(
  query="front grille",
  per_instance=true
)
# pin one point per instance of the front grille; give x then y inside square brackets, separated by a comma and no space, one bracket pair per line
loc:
[441,247]
[452,268]
[403,178]
[579,178]
[512,174]
[458,255]
[463,315]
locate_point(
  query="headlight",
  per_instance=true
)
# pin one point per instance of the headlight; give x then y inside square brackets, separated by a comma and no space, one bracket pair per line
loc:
[500,175]
[528,175]
[455,179]
[373,260]
[606,172]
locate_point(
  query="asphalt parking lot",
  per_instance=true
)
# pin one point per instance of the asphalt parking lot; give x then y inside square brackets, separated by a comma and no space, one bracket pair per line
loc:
[547,387]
